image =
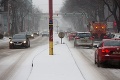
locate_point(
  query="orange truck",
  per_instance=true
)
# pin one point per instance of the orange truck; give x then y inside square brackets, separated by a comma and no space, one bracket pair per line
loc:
[98,29]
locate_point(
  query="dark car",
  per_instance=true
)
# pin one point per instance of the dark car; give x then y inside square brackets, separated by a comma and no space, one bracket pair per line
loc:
[29,34]
[108,51]
[36,33]
[19,40]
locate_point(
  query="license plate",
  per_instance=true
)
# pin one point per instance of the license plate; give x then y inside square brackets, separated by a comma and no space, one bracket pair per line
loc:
[17,44]
[116,53]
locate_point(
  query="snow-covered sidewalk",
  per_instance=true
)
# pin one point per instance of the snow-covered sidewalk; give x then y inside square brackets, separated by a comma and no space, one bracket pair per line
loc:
[59,66]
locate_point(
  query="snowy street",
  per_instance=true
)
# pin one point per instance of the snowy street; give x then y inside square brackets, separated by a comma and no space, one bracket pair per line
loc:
[59,39]
[67,63]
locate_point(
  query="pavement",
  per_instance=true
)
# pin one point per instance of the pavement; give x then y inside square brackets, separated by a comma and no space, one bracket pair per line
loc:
[59,66]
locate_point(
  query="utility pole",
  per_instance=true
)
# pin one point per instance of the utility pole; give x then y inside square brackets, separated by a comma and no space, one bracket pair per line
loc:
[50,27]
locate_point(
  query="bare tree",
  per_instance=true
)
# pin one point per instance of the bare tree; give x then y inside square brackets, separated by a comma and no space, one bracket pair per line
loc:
[18,10]
[114,6]
[92,8]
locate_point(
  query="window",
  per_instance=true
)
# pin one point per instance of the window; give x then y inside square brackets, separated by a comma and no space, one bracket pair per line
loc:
[82,35]
[112,43]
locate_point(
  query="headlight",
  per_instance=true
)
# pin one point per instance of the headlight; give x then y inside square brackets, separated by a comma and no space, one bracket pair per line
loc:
[11,42]
[24,41]
[32,35]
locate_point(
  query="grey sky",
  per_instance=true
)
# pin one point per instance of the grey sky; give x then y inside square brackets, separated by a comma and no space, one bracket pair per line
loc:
[43,4]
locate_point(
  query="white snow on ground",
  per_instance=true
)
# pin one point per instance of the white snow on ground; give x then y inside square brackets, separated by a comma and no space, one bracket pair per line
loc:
[4,40]
[59,66]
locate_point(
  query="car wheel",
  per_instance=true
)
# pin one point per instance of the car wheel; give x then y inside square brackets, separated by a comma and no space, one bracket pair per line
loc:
[10,47]
[119,65]
[98,62]
[95,59]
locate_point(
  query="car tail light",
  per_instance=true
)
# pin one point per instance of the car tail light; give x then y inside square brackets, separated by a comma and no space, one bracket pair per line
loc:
[77,37]
[105,51]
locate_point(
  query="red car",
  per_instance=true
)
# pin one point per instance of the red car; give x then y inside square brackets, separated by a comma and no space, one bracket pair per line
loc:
[71,36]
[108,51]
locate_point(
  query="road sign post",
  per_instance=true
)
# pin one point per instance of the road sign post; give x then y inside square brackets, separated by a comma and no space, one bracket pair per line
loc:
[61,35]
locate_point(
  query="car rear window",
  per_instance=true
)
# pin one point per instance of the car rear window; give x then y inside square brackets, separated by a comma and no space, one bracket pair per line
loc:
[82,35]
[112,43]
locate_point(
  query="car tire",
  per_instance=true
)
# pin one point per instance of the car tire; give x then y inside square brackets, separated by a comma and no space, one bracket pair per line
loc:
[10,47]
[98,62]
[95,59]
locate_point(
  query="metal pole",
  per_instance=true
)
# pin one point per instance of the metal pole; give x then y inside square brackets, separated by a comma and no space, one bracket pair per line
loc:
[50,27]
[61,40]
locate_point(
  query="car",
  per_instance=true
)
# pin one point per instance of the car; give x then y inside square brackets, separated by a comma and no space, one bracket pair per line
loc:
[109,36]
[29,34]
[71,36]
[19,40]
[108,51]
[116,35]
[36,33]
[83,39]
[45,33]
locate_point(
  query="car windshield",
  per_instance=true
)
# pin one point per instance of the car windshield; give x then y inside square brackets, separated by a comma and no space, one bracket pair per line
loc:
[84,35]
[112,43]
[19,37]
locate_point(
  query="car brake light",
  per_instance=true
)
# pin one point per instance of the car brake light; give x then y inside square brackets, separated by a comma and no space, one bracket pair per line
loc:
[105,51]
